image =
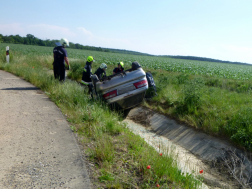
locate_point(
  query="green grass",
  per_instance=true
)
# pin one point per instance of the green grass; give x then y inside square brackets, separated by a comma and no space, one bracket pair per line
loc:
[120,157]
[205,95]
[222,110]
[205,102]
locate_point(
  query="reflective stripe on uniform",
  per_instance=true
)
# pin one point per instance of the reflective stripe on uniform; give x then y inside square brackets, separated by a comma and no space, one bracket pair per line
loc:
[85,83]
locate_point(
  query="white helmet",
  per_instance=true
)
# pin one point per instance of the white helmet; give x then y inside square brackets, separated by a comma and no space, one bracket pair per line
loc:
[64,42]
[103,65]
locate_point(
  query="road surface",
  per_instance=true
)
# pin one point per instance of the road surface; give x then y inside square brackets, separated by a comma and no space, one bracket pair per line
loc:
[37,146]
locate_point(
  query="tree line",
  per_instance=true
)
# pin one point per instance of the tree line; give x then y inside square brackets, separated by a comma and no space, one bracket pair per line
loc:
[203,59]
[30,39]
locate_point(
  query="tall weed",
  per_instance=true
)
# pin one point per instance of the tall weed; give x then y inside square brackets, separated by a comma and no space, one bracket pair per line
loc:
[240,127]
[76,71]
[104,150]
[191,100]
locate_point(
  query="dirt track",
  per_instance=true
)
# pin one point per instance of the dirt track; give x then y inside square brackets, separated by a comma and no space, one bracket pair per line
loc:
[37,146]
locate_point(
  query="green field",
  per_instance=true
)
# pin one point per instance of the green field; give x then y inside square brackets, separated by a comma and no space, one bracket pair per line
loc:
[222,70]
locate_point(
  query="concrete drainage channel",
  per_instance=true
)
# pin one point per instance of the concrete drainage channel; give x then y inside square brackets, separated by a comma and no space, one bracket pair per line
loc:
[223,165]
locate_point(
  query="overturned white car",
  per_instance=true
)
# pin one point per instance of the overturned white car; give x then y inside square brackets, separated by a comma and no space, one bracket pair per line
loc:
[124,90]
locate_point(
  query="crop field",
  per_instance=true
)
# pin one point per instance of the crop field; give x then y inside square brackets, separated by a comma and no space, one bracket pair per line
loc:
[222,70]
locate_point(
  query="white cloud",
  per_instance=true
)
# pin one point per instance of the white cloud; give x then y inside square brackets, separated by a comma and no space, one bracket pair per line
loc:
[86,32]
[38,30]
[114,41]
[99,40]
[50,31]
[11,29]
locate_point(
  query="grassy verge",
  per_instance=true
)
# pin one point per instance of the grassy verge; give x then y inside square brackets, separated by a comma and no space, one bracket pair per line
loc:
[120,159]
[221,107]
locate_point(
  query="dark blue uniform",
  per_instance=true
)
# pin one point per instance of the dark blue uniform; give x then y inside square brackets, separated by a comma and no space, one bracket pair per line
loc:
[86,80]
[59,63]
[87,71]
[100,73]
[117,70]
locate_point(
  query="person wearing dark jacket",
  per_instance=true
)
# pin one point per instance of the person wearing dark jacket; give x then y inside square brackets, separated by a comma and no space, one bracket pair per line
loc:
[60,57]
[101,71]
[87,72]
[119,69]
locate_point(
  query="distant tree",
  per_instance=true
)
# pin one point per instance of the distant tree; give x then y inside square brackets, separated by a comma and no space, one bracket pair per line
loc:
[47,42]
[41,42]
[8,39]
[18,39]
[26,41]
[72,45]
[77,46]
[30,36]
[30,39]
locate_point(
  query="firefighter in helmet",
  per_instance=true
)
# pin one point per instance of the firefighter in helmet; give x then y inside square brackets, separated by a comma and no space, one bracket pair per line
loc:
[60,58]
[119,69]
[87,72]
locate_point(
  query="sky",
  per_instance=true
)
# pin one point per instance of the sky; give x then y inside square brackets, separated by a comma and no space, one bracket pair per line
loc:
[219,29]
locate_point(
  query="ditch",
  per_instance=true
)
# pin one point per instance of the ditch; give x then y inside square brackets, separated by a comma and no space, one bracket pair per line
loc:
[219,163]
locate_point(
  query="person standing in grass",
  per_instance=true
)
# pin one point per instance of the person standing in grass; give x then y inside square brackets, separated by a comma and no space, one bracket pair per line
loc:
[119,69]
[101,71]
[60,57]
[87,72]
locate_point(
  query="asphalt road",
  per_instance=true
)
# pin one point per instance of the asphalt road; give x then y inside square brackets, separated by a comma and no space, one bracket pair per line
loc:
[37,146]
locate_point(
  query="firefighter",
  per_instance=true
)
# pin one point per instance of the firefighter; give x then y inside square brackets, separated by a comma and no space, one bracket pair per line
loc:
[87,72]
[60,57]
[119,69]
[101,71]
[152,90]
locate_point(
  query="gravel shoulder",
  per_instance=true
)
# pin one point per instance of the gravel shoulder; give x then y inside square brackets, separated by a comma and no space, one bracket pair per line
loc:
[37,147]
